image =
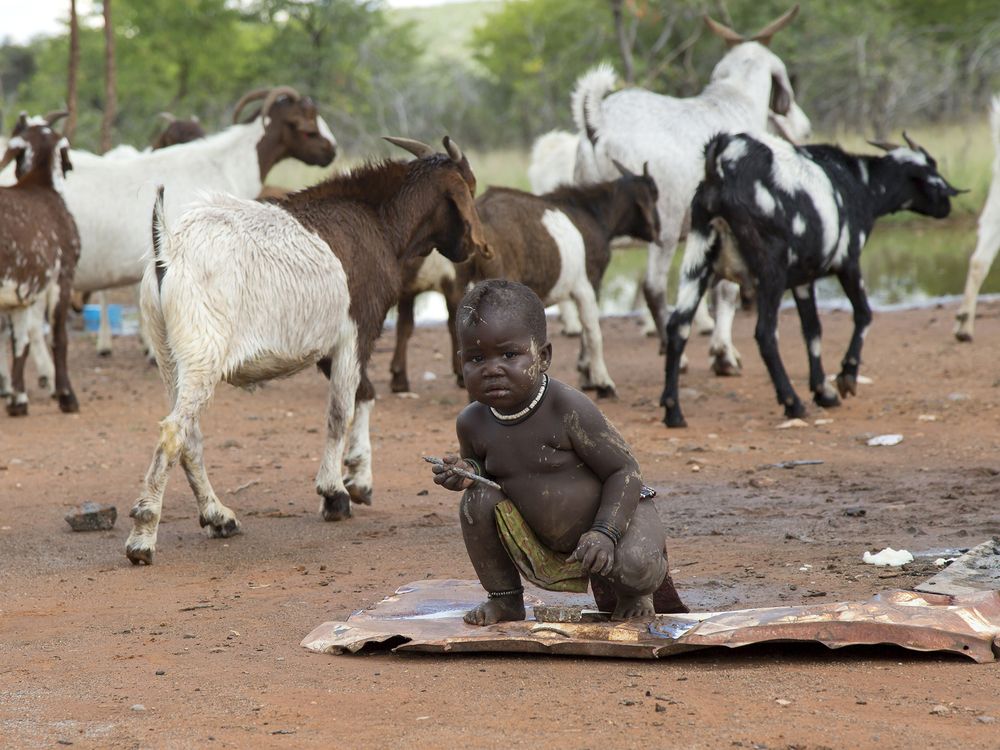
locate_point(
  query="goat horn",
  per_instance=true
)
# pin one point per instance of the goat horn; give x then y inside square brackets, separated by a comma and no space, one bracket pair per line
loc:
[884,145]
[723,32]
[645,169]
[626,172]
[453,150]
[911,143]
[53,117]
[272,97]
[417,148]
[167,116]
[764,35]
[250,96]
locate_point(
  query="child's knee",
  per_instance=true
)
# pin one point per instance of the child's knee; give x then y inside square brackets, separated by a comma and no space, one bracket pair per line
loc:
[639,568]
[478,504]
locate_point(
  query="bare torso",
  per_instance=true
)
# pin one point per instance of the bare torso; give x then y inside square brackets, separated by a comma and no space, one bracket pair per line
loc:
[538,463]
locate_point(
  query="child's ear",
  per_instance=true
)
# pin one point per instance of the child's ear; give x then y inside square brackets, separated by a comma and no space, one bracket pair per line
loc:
[545,356]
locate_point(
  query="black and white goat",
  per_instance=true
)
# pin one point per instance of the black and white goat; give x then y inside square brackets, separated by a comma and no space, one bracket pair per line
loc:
[39,247]
[559,244]
[779,217]
[245,291]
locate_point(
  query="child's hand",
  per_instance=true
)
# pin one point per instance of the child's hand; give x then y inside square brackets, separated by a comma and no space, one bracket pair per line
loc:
[448,479]
[596,551]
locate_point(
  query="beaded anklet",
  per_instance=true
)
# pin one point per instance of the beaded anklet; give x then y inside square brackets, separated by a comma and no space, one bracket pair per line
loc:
[500,594]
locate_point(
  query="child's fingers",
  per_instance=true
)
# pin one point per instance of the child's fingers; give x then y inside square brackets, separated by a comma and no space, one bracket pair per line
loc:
[608,564]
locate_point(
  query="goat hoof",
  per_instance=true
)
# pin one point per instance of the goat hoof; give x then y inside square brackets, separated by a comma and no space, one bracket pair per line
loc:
[68,403]
[674,418]
[574,334]
[606,391]
[17,410]
[103,352]
[399,385]
[336,507]
[725,369]
[826,398]
[229,527]
[795,410]
[964,336]
[138,555]
[360,495]
[847,385]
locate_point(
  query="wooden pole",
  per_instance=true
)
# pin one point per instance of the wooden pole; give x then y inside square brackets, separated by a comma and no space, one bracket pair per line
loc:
[110,80]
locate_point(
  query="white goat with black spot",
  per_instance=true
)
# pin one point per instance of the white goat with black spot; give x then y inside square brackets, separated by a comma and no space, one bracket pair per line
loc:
[779,217]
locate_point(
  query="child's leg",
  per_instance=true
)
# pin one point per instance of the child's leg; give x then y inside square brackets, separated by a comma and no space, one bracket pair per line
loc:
[640,565]
[490,559]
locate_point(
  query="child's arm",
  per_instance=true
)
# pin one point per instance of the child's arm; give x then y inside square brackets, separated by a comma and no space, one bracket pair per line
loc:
[606,454]
[468,461]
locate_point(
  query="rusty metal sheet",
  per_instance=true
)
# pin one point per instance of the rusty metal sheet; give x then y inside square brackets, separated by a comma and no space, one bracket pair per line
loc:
[427,616]
[976,570]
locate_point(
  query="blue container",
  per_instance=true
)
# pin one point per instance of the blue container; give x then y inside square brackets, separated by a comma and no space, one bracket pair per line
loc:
[92,318]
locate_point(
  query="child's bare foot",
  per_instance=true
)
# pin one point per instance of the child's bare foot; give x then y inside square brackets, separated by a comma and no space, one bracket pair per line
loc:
[633,606]
[501,609]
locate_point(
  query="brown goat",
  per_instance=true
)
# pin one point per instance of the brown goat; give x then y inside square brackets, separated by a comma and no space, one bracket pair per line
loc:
[558,244]
[284,284]
[178,131]
[39,248]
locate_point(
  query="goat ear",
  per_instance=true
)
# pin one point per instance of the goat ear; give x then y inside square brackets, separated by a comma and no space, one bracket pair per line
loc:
[764,35]
[625,171]
[781,98]
[730,37]
[417,148]
[9,155]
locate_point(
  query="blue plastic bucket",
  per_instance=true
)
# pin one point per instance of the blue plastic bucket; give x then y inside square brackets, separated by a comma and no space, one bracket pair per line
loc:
[92,318]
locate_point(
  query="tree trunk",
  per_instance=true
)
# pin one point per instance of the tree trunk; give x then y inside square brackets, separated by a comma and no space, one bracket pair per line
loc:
[110,76]
[623,41]
[74,67]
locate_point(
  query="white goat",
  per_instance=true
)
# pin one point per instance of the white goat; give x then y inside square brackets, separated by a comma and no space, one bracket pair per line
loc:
[110,198]
[988,243]
[633,126]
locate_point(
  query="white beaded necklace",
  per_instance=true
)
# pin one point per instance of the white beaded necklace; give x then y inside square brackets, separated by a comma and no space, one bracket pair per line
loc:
[527,409]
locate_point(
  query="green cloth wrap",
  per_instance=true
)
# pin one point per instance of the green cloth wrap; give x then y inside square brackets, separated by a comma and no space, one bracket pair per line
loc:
[536,562]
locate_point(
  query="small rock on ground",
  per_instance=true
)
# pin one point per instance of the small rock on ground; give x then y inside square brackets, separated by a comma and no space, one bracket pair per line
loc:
[92,517]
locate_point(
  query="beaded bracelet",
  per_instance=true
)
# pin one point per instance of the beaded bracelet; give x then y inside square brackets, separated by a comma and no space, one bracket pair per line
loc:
[608,530]
[500,594]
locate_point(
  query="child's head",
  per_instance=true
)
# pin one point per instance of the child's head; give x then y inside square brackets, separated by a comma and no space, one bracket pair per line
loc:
[503,341]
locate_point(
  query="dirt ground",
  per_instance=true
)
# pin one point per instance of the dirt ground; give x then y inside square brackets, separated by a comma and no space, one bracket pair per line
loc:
[202,649]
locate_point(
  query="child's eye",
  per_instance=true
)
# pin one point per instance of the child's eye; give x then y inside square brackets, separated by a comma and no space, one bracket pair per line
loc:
[476,358]
[509,355]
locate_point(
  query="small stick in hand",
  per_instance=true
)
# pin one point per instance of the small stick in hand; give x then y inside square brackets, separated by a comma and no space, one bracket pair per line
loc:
[462,472]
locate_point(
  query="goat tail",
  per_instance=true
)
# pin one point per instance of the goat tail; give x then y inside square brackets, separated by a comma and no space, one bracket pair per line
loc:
[590,90]
[159,226]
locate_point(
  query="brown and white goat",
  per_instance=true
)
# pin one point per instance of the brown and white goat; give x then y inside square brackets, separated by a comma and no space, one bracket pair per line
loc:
[559,244]
[244,291]
[39,247]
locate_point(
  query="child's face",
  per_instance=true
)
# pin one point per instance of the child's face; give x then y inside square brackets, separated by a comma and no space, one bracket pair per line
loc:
[501,363]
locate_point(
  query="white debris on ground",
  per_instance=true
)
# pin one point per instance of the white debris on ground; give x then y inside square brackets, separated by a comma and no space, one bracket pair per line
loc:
[885,440]
[942,561]
[792,423]
[888,557]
